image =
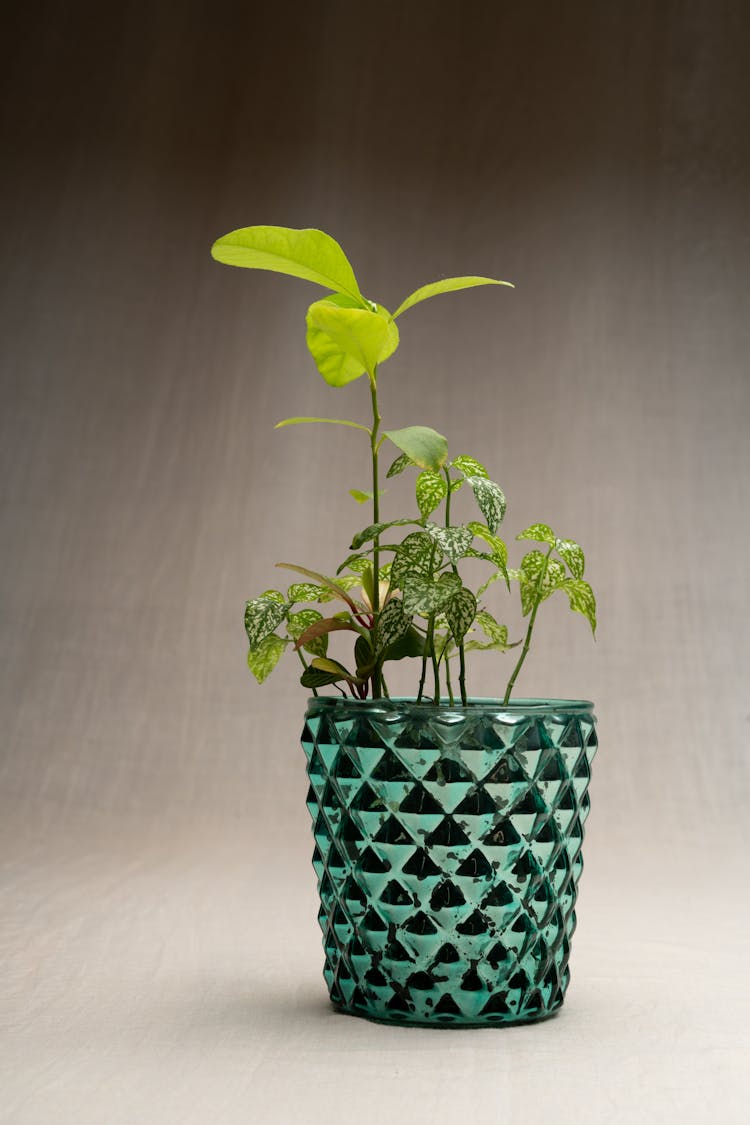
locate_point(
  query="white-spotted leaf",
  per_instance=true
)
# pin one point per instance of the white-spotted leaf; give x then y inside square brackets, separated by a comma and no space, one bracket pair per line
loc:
[262,616]
[490,500]
[431,491]
[540,532]
[392,624]
[262,659]
[582,599]
[572,555]
[460,612]
[454,542]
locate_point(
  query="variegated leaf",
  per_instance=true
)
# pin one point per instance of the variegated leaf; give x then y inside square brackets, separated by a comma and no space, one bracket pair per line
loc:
[491,629]
[582,599]
[413,558]
[490,500]
[470,467]
[498,549]
[402,462]
[274,595]
[392,624]
[431,491]
[425,596]
[375,529]
[262,616]
[262,659]
[540,532]
[460,612]
[298,623]
[572,555]
[454,542]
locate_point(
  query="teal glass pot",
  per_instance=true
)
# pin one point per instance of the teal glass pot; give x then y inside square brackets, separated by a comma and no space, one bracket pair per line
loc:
[448,853]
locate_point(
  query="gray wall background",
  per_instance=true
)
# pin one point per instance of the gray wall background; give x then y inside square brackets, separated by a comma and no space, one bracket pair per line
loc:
[595,154]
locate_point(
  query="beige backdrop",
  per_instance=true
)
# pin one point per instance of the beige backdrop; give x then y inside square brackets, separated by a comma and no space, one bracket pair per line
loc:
[595,154]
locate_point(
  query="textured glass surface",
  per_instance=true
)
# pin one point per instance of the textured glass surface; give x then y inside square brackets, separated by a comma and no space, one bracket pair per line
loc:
[448,853]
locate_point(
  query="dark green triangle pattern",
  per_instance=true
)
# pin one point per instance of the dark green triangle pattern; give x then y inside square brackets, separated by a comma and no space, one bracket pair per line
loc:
[448,853]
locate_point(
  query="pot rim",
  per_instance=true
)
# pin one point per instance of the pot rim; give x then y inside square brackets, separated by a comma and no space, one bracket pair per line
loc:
[475,705]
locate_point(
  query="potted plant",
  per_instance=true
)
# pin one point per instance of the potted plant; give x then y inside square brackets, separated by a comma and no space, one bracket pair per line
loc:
[447,829]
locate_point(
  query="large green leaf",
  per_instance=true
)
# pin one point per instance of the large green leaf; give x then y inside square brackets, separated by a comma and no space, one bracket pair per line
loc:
[426,448]
[262,659]
[330,421]
[460,612]
[346,340]
[310,254]
[262,616]
[431,490]
[447,285]
[582,599]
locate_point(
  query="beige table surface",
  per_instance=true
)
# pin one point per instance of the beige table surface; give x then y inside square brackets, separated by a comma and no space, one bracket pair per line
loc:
[152,976]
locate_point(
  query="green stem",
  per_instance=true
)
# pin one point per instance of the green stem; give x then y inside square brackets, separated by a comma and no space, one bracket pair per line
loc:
[431,641]
[448,684]
[461,653]
[529,631]
[305,666]
[374,448]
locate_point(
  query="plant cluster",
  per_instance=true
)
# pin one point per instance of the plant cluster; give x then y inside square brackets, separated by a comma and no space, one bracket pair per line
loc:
[403,592]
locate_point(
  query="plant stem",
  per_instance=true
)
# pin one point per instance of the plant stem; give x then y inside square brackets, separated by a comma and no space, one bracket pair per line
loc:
[532,619]
[305,666]
[431,639]
[448,684]
[461,653]
[376,675]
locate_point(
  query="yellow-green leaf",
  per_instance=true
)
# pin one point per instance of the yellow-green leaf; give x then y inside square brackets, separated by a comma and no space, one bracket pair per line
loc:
[447,285]
[426,447]
[263,659]
[309,254]
[346,340]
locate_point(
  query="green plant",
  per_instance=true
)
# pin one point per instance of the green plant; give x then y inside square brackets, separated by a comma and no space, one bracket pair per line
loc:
[404,597]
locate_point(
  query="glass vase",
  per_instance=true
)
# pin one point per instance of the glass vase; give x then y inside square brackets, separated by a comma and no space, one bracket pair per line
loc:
[448,853]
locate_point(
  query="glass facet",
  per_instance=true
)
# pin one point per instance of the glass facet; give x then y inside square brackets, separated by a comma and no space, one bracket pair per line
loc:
[448,853]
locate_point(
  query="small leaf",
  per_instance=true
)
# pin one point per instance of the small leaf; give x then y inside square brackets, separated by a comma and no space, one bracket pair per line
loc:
[572,555]
[307,592]
[262,659]
[315,678]
[309,254]
[413,556]
[410,644]
[325,664]
[469,466]
[364,657]
[490,500]
[454,542]
[427,448]
[321,627]
[402,462]
[274,595]
[539,532]
[460,612]
[392,624]
[338,591]
[553,578]
[424,596]
[298,623]
[495,632]
[447,285]
[582,599]
[498,550]
[375,529]
[330,421]
[262,616]
[431,491]
[346,341]
[356,562]
[359,496]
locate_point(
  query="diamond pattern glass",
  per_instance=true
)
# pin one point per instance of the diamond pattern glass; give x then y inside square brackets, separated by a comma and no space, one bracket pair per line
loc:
[448,853]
